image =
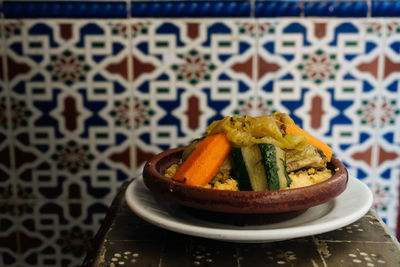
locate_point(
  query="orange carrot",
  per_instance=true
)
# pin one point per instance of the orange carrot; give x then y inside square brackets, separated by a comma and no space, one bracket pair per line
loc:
[204,162]
[293,128]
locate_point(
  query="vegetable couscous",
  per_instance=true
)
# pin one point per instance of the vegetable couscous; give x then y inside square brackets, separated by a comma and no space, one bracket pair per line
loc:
[253,153]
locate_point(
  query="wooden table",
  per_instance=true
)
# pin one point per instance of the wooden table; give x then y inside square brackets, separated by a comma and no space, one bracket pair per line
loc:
[126,240]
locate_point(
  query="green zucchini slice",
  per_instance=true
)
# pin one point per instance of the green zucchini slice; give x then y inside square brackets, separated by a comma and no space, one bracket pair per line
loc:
[260,167]
[239,170]
[274,160]
[255,169]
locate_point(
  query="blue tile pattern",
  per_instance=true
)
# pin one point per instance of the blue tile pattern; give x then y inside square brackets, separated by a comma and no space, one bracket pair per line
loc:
[66,131]
[383,8]
[199,8]
[179,9]
[278,8]
[59,9]
[336,9]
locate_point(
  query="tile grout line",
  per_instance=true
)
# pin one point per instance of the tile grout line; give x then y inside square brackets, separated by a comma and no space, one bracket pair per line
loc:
[252,8]
[369,11]
[302,12]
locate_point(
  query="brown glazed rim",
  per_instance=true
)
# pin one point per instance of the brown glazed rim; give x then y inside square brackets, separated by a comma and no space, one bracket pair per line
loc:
[242,202]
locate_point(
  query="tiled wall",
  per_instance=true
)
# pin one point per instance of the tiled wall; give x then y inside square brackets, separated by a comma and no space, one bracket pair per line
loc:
[85,102]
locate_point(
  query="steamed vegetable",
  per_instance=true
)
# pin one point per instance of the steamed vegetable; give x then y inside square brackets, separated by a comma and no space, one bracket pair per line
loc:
[260,167]
[309,157]
[250,153]
[248,131]
[293,128]
[204,161]
[274,160]
[240,171]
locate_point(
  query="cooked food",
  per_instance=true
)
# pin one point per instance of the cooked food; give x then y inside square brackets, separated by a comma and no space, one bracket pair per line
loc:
[248,131]
[308,177]
[309,157]
[253,154]
[260,167]
[325,149]
[204,161]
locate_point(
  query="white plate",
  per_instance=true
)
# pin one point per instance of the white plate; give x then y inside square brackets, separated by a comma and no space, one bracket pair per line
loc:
[348,207]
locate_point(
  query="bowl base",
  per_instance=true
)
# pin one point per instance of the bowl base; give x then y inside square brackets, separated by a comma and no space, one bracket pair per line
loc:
[241,219]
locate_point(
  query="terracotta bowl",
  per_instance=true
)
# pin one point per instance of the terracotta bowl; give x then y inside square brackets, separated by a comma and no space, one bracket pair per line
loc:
[224,205]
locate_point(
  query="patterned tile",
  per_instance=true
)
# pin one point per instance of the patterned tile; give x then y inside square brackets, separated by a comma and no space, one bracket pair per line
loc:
[190,9]
[7,184]
[60,9]
[388,115]
[8,241]
[317,80]
[336,8]
[55,233]
[8,218]
[384,8]
[273,8]
[186,74]
[70,125]
[68,107]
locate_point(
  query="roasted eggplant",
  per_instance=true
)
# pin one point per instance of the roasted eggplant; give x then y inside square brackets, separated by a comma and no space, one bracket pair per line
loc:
[309,157]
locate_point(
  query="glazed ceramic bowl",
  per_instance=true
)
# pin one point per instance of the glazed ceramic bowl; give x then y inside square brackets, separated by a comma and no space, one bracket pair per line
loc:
[222,203]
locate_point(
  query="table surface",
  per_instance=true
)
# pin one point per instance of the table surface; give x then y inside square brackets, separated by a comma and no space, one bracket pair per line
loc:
[124,239]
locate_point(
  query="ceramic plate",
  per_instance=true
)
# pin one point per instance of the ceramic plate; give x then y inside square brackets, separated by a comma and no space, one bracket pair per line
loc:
[348,207]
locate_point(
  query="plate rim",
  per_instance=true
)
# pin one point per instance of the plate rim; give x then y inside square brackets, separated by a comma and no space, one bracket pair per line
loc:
[249,235]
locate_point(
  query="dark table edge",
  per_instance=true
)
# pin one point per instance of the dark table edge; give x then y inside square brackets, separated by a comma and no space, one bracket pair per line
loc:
[385,227]
[97,242]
